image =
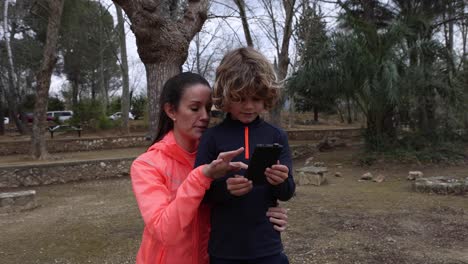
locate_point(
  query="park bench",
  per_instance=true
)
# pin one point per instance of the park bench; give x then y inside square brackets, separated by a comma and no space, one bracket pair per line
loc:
[56,128]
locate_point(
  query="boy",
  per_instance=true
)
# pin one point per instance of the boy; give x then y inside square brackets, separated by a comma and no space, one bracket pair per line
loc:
[245,86]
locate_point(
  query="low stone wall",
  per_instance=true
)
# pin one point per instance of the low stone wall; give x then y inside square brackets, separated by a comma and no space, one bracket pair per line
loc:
[441,185]
[88,144]
[342,133]
[63,172]
[75,144]
[53,173]
[17,201]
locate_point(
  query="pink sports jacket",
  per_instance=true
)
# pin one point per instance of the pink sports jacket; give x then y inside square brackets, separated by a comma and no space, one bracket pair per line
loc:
[169,193]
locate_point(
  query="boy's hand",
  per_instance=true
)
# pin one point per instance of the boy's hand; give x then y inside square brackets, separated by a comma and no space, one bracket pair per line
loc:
[277,174]
[222,165]
[239,185]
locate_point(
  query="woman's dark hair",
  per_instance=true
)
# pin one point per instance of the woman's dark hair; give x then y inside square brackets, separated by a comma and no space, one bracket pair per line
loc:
[172,92]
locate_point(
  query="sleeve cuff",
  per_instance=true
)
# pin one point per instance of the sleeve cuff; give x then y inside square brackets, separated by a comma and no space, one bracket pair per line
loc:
[204,180]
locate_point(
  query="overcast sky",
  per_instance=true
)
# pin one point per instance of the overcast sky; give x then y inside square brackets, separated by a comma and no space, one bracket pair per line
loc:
[229,36]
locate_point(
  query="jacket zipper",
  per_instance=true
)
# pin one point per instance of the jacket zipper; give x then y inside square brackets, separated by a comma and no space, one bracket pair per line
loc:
[246,142]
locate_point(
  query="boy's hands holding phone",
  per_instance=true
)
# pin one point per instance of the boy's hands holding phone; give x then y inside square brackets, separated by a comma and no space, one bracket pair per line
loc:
[277,174]
[239,185]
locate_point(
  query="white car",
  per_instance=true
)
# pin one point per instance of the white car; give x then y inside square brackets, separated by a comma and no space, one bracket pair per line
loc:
[118,115]
[6,120]
[60,115]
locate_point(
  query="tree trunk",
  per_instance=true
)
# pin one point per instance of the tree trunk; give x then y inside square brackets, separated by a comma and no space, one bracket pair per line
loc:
[2,115]
[448,34]
[93,87]
[75,88]
[340,113]
[125,103]
[102,88]
[292,112]
[316,117]
[380,131]
[283,56]
[163,35]
[11,93]
[348,106]
[157,75]
[245,24]
[49,58]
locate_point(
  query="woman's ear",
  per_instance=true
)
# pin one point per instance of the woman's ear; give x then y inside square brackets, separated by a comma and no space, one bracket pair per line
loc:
[170,111]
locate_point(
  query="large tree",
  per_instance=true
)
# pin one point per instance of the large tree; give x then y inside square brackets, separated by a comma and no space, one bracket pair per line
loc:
[124,68]
[310,86]
[163,31]
[38,145]
[12,88]
[89,49]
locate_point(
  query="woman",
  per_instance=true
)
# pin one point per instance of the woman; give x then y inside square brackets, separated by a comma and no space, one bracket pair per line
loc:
[167,188]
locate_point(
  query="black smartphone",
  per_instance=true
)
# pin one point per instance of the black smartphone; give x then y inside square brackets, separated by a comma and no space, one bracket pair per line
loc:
[264,156]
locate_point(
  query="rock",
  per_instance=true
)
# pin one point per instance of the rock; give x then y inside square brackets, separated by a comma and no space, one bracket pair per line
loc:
[313,169]
[379,178]
[308,161]
[303,150]
[319,164]
[329,143]
[17,201]
[304,178]
[366,176]
[311,175]
[413,175]
[441,185]
[338,174]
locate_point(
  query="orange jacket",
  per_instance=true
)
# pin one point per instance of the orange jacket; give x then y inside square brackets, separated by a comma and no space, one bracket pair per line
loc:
[169,192]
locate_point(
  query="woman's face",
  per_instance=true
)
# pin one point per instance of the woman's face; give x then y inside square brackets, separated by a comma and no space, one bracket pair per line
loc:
[192,116]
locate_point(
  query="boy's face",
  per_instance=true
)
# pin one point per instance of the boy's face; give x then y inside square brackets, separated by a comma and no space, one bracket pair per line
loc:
[247,109]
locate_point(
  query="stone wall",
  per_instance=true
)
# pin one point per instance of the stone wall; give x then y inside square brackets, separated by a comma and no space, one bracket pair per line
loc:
[88,144]
[75,144]
[53,173]
[62,172]
[316,135]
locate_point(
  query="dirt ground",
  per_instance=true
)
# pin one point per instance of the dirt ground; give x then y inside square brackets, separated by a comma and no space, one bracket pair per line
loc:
[345,221]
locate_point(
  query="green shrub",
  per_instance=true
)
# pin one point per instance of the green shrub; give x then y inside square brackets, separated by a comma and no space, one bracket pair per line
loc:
[444,153]
[115,105]
[86,111]
[55,104]
[139,106]
[103,123]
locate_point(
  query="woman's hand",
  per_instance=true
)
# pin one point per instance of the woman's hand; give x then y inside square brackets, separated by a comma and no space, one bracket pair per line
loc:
[223,164]
[239,185]
[277,174]
[278,217]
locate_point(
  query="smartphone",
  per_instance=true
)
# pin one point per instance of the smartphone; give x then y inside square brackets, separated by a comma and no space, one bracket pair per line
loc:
[264,156]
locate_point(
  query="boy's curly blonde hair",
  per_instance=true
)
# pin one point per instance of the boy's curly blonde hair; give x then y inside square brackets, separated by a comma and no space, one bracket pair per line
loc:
[242,73]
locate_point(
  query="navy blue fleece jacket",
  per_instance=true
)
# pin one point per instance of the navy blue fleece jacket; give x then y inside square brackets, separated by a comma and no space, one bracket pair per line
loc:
[240,228]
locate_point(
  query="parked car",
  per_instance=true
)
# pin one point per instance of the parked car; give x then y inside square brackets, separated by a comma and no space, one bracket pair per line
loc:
[118,115]
[6,120]
[28,117]
[60,115]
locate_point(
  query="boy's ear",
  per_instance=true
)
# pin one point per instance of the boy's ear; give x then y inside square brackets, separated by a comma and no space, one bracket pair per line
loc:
[169,109]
